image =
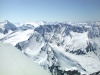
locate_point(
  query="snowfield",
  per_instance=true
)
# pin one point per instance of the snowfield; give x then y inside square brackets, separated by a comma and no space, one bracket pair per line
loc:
[18,36]
[13,62]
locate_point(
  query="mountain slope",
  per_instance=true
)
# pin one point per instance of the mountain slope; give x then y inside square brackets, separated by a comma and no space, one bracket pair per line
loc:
[17,36]
[13,62]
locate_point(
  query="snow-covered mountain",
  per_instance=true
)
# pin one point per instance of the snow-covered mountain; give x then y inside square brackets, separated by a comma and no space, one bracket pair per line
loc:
[7,26]
[21,33]
[60,47]
[37,23]
[13,62]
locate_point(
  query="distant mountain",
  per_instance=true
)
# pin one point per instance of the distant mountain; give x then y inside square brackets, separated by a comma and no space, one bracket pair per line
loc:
[26,27]
[7,26]
[36,23]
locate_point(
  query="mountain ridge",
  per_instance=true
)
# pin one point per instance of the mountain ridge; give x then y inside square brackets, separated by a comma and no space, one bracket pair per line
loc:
[49,45]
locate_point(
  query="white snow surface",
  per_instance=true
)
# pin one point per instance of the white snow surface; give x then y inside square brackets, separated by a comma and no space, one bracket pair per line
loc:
[18,36]
[1,35]
[13,62]
[90,61]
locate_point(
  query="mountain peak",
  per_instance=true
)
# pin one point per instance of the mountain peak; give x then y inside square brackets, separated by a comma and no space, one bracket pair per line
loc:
[6,21]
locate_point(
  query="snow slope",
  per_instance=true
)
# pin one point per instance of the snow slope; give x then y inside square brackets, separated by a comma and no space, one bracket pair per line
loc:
[18,36]
[90,62]
[1,35]
[13,62]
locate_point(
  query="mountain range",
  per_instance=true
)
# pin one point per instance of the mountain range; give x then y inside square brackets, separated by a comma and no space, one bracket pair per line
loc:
[61,48]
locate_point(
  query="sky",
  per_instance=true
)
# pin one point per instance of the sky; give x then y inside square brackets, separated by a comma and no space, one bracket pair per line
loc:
[49,10]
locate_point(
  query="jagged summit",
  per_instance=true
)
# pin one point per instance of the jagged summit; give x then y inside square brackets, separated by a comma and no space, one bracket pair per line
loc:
[6,21]
[7,26]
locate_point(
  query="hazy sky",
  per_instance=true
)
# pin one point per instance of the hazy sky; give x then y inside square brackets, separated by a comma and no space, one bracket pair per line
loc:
[49,10]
